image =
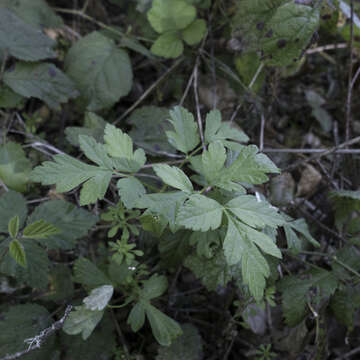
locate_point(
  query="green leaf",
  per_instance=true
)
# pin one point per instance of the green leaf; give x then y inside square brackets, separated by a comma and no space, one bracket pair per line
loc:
[95,152]
[216,130]
[40,229]
[24,41]
[87,273]
[15,168]
[213,161]
[149,126]
[101,71]
[167,16]
[214,272]
[164,329]
[195,32]
[154,287]
[17,252]
[173,176]
[61,284]
[13,226]
[10,99]
[82,321]
[43,81]
[136,318]
[130,191]
[200,213]
[253,212]
[67,173]
[185,137]
[99,297]
[168,45]
[12,204]
[35,12]
[73,222]
[248,167]
[22,322]
[188,346]
[280,29]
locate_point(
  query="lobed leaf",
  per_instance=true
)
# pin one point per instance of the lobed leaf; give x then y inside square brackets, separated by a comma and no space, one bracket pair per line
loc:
[173,176]
[99,297]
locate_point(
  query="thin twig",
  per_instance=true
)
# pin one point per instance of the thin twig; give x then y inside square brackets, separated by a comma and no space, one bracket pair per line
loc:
[149,90]
[262,126]
[349,354]
[311,151]
[196,94]
[258,71]
[37,341]
[326,47]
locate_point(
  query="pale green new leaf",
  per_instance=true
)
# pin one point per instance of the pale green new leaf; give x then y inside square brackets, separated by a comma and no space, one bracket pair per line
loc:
[200,213]
[172,15]
[164,329]
[101,71]
[279,29]
[11,204]
[43,81]
[15,168]
[136,318]
[67,173]
[173,176]
[168,45]
[253,212]
[130,191]
[13,226]
[195,32]
[99,297]
[17,252]
[22,40]
[154,287]
[185,137]
[213,161]
[82,321]
[40,229]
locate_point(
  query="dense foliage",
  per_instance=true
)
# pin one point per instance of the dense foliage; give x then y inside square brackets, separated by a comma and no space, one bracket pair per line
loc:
[131,187]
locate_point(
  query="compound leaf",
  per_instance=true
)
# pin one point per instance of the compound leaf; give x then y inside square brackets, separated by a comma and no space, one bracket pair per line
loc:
[99,297]
[195,32]
[200,213]
[213,161]
[43,81]
[154,287]
[173,176]
[130,191]
[136,318]
[185,137]
[101,71]
[168,45]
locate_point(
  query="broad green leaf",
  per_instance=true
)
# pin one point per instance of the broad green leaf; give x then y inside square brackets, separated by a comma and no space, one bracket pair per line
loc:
[10,99]
[168,45]
[120,146]
[99,297]
[188,346]
[17,252]
[67,173]
[164,329]
[94,126]
[214,272]
[35,12]
[82,321]
[61,285]
[216,130]
[253,212]
[12,204]
[166,205]
[185,137]
[95,151]
[154,287]
[37,270]
[207,243]
[167,16]
[149,126]
[173,176]
[280,29]
[130,191]
[24,41]
[247,167]
[200,213]
[195,32]
[101,71]
[136,318]
[73,222]
[15,168]
[21,322]
[40,229]
[13,226]
[88,274]
[296,292]
[43,81]
[213,161]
